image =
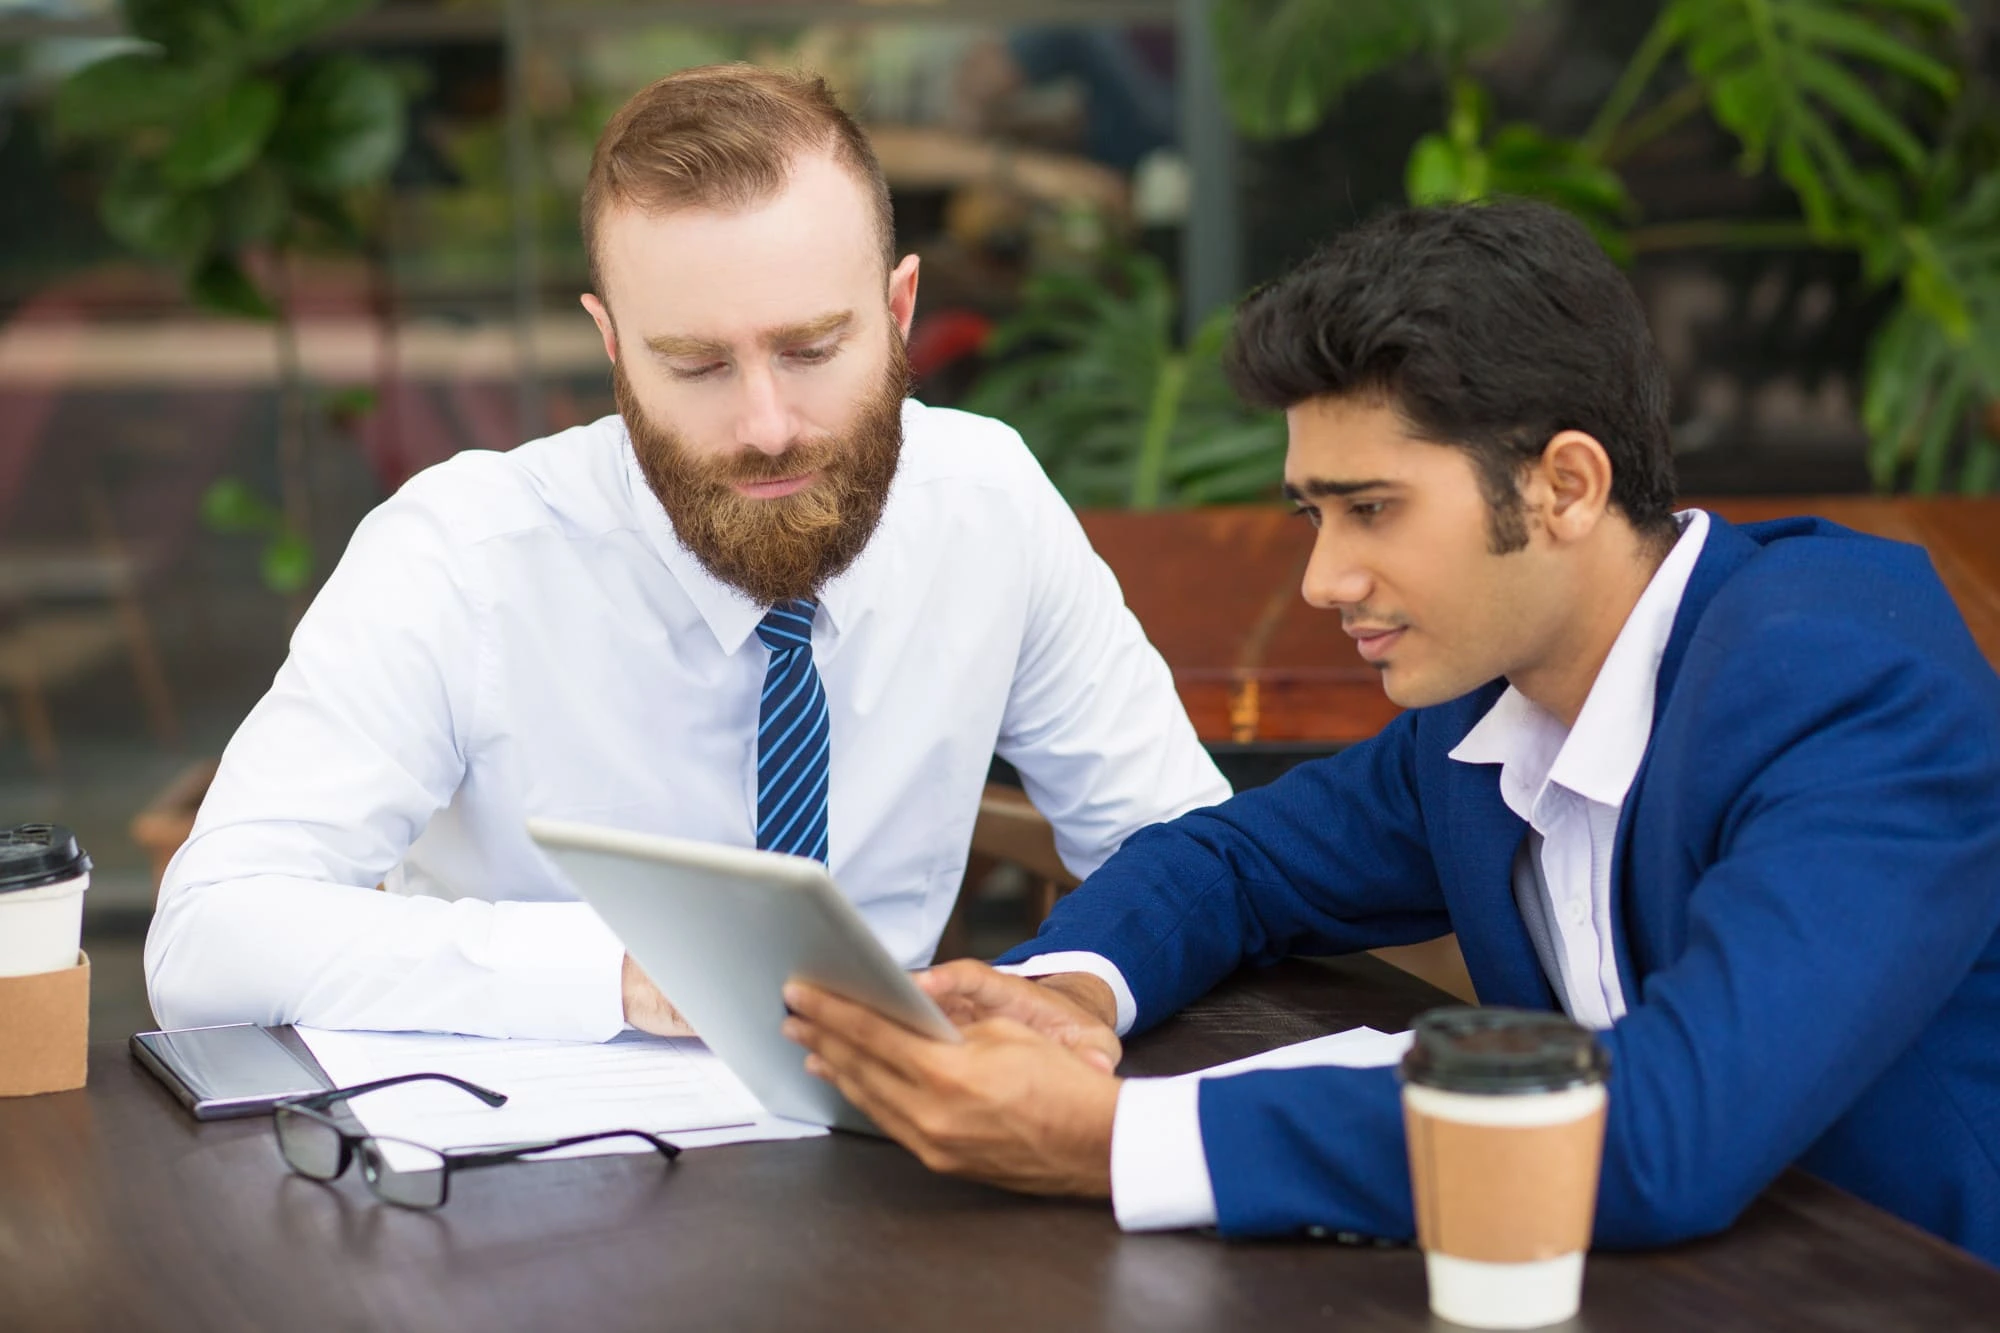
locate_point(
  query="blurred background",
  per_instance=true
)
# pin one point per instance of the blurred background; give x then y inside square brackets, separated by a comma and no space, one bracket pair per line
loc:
[262,260]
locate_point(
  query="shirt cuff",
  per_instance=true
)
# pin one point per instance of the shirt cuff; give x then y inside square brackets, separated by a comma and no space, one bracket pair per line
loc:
[1076,960]
[1159,1173]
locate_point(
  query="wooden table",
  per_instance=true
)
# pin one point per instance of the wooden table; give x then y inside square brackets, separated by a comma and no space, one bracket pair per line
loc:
[1218,592]
[119,1212]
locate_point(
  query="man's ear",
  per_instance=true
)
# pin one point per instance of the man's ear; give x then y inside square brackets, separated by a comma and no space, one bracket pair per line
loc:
[605,328]
[1574,476]
[903,294]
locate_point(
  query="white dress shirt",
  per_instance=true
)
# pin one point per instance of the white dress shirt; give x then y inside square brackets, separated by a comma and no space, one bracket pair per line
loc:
[522,634]
[1568,783]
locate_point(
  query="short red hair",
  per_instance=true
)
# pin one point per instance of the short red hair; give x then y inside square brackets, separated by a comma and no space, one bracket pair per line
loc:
[723,136]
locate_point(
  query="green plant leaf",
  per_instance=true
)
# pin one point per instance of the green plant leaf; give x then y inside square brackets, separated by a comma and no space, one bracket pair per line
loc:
[1787,77]
[1838,30]
[231,508]
[1982,466]
[1436,172]
[342,126]
[1849,96]
[1285,63]
[223,135]
[287,563]
[220,284]
[254,209]
[278,26]
[131,91]
[140,209]
[1945,418]
[189,31]
[1089,373]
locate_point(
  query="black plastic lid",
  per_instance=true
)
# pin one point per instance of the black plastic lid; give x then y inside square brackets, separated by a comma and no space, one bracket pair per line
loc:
[1460,1049]
[32,855]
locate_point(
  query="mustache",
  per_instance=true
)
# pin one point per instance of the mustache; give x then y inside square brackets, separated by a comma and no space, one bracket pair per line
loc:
[753,465]
[1362,616]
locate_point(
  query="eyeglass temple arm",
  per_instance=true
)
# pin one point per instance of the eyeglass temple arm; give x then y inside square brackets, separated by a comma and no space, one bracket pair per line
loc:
[516,1151]
[322,1100]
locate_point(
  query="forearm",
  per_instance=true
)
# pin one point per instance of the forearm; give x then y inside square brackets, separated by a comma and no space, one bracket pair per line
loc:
[271,950]
[1163,915]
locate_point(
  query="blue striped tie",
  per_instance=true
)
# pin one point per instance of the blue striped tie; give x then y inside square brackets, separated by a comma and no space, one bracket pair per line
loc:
[792,748]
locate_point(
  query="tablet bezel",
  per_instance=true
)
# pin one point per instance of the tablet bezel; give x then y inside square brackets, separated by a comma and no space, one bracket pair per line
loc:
[667,900]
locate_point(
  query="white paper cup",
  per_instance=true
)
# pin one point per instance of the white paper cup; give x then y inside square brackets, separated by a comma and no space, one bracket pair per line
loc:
[1504,1112]
[1516,1293]
[43,876]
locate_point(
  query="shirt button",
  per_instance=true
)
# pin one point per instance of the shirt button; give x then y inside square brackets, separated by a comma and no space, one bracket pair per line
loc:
[1578,913]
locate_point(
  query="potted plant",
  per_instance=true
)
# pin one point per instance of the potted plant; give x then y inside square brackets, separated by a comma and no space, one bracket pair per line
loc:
[1865,110]
[230,142]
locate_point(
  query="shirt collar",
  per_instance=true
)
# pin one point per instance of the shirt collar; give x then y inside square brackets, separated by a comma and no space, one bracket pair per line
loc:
[730,616]
[1599,756]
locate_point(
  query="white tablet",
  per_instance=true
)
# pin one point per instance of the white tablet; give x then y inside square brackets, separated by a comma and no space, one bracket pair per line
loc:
[720,930]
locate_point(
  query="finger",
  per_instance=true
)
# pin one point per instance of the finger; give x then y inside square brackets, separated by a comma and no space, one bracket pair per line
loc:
[856,1023]
[962,978]
[884,1108]
[969,987]
[840,1054]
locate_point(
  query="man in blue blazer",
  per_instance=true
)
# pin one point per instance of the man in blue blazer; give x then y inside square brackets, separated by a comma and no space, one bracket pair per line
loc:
[1731,795]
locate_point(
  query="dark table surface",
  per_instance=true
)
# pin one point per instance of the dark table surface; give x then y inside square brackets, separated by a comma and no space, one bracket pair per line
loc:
[118,1212]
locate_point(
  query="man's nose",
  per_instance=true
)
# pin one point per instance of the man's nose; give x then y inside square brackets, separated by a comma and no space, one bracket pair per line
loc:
[1334,578]
[764,422]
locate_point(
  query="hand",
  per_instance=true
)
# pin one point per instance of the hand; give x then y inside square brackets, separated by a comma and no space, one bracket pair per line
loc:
[646,1009]
[1006,1105]
[1064,1008]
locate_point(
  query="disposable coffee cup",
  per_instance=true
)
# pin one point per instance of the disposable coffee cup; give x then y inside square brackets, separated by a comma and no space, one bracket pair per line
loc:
[43,875]
[1504,1111]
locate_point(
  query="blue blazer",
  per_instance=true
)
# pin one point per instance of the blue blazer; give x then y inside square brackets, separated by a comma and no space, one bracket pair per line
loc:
[1807,890]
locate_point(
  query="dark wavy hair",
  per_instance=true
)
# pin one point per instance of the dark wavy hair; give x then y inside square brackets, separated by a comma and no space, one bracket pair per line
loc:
[1489,328]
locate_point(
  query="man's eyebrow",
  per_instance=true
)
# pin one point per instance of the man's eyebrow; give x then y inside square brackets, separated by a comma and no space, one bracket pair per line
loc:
[1320,487]
[789,335]
[679,344]
[812,330]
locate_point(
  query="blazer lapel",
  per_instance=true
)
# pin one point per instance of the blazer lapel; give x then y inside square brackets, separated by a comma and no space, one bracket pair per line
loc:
[1485,835]
[1725,550]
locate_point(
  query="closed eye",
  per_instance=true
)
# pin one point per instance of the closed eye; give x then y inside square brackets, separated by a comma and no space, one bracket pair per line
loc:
[813,356]
[1308,513]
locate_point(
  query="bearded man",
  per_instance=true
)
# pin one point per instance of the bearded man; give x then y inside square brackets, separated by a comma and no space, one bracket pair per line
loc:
[770,603]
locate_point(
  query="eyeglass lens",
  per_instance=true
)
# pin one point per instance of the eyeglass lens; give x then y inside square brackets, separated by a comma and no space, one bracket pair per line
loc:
[403,1173]
[310,1147]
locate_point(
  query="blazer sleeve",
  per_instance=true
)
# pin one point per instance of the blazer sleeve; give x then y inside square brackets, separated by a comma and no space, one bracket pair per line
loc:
[1852,877]
[1329,859]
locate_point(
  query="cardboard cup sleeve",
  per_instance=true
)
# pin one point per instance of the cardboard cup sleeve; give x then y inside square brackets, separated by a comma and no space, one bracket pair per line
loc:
[45,1030]
[1503,1194]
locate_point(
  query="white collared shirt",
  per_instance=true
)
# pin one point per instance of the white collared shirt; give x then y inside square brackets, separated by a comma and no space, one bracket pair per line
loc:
[1569,784]
[522,634]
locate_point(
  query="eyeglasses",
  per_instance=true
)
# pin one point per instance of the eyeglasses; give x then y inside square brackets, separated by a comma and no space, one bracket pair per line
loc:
[398,1171]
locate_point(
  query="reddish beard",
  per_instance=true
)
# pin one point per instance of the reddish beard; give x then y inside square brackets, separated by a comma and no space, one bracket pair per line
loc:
[777,549]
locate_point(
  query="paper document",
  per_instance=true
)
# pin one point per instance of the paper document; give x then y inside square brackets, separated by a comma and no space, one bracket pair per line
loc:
[1356,1048]
[674,1087]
